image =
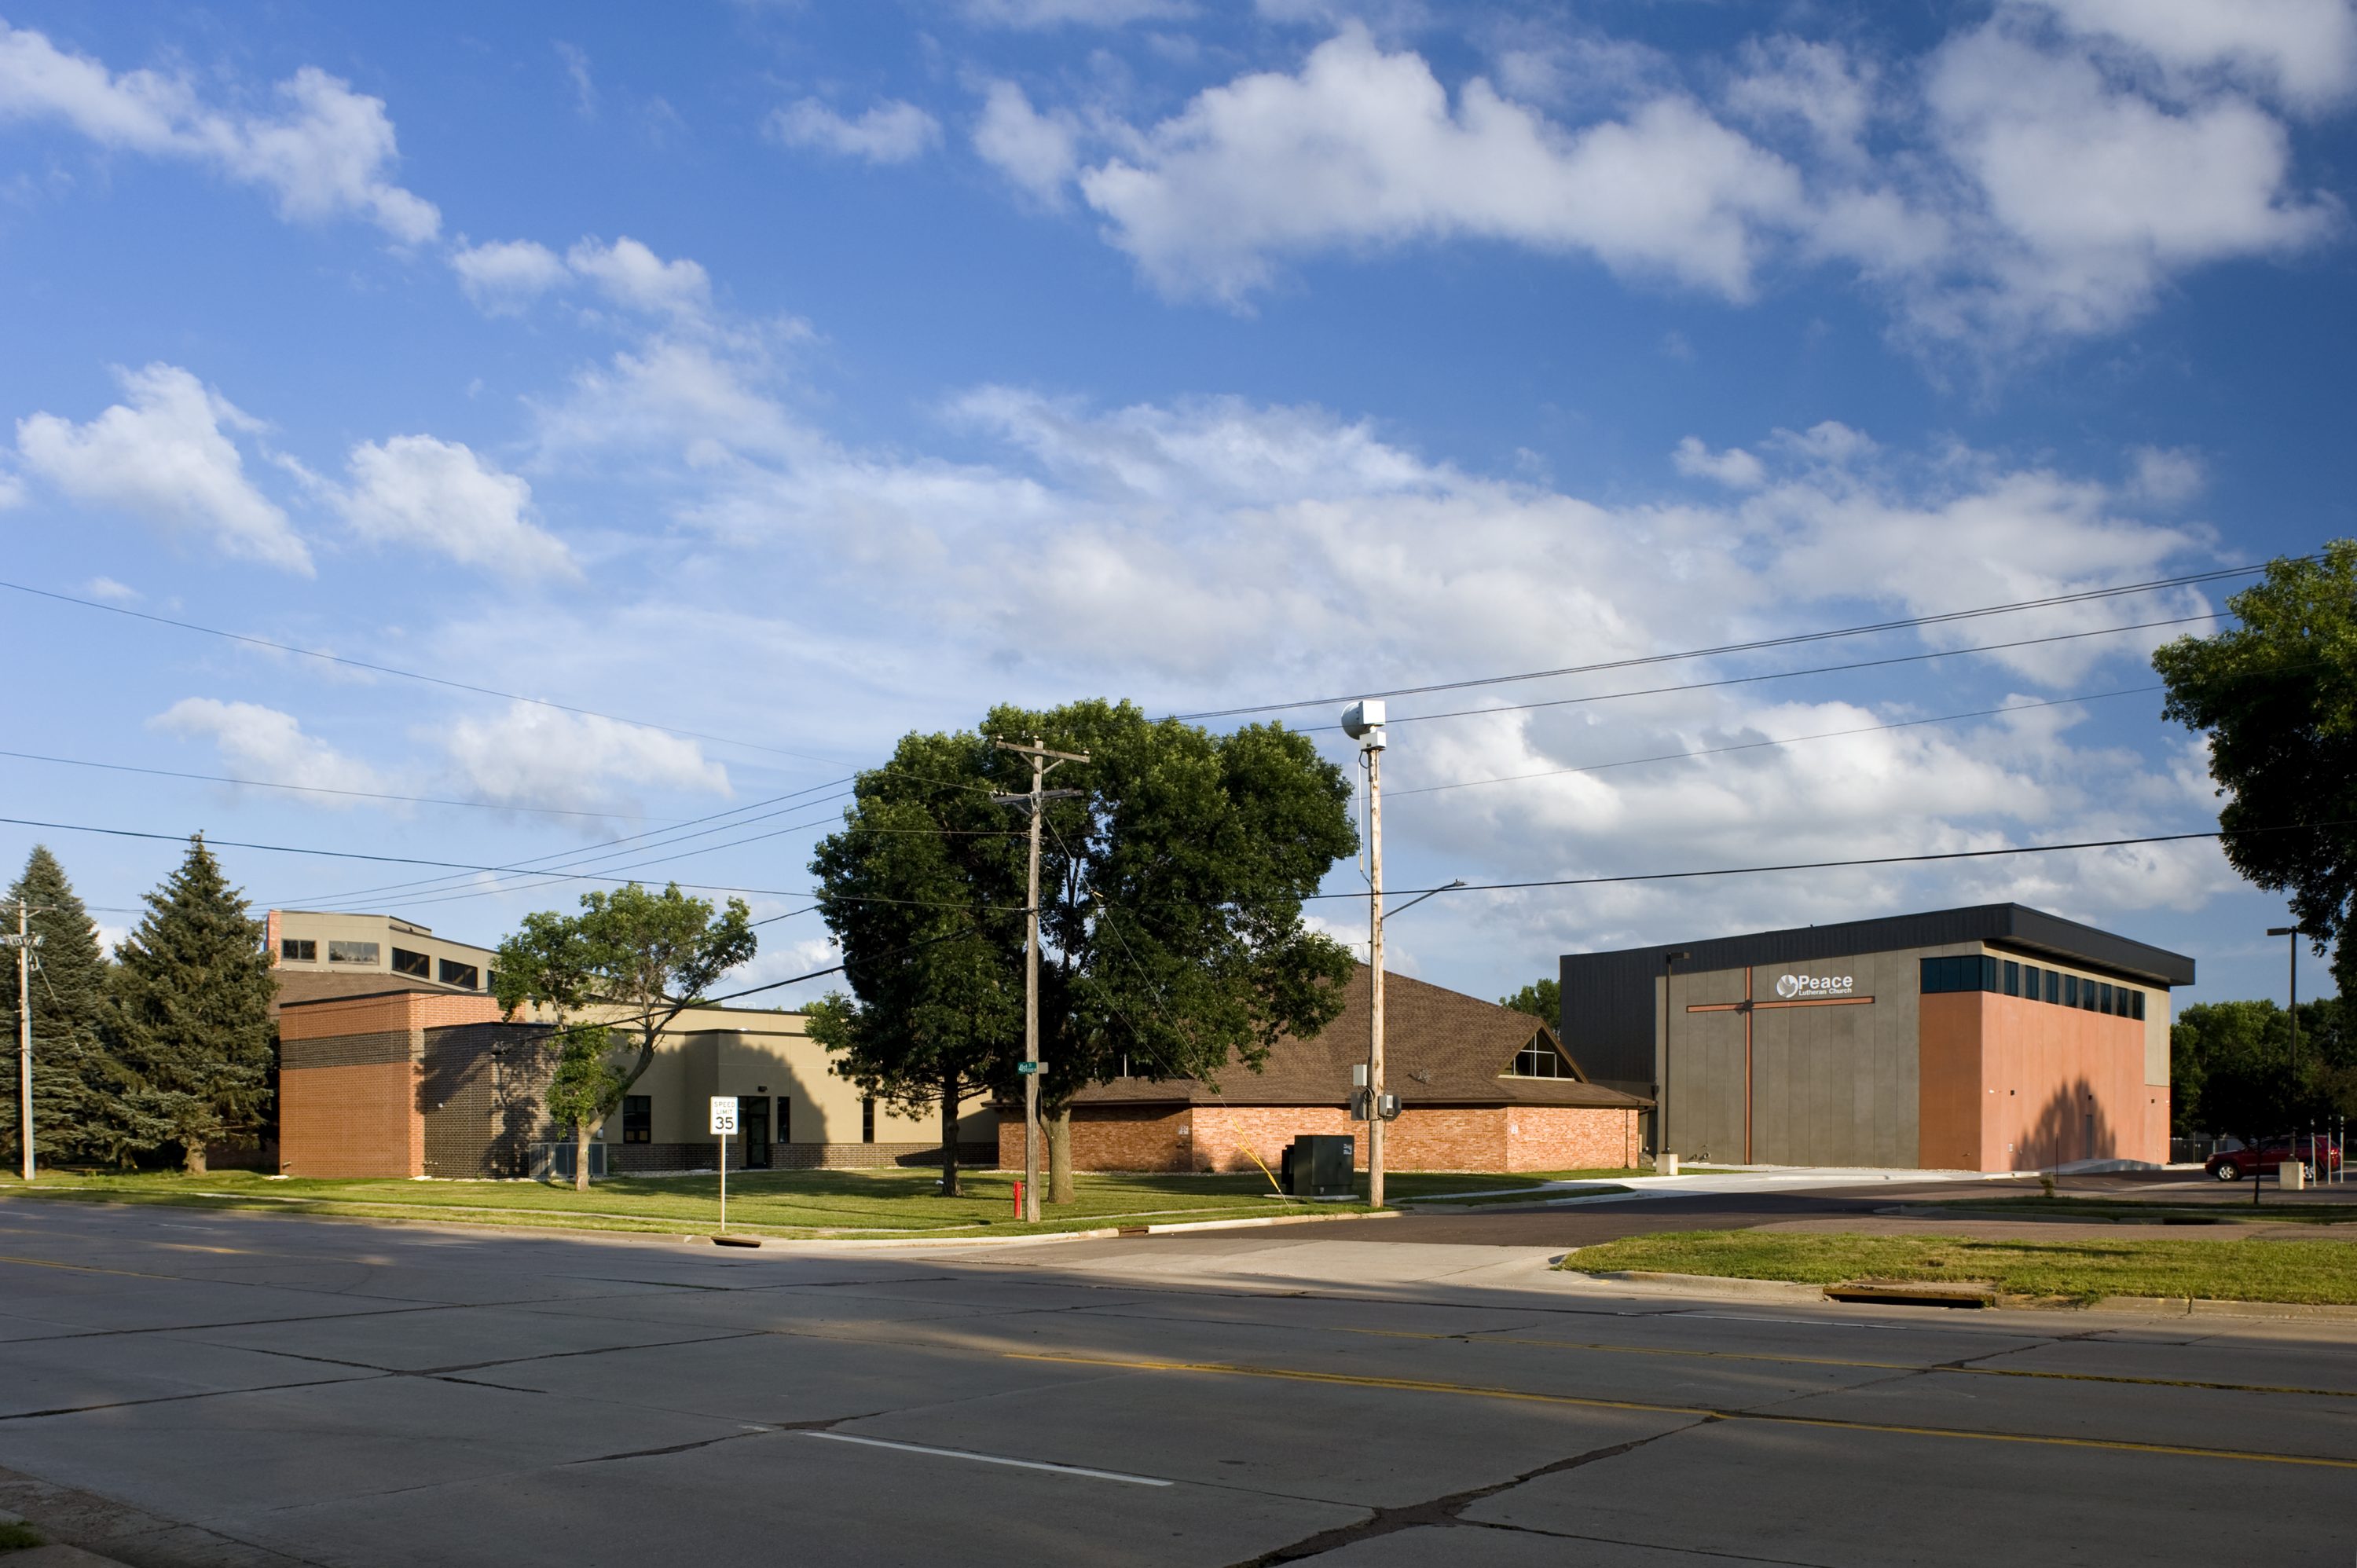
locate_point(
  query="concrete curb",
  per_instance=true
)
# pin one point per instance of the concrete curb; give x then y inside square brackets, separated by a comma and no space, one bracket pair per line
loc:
[863,1243]
[1726,1287]
[54,1554]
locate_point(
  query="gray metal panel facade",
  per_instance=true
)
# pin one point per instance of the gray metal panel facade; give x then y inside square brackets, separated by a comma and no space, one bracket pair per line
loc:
[1610,1024]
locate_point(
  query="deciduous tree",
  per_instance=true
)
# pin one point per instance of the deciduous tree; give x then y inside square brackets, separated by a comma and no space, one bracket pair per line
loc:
[2277,696]
[632,960]
[1172,892]
[1540,999]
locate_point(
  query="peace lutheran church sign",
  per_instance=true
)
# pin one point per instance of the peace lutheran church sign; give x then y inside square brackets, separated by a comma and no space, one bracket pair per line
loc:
[1792,987]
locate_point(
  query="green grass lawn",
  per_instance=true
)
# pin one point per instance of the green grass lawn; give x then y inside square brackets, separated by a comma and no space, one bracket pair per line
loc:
[2081,1270]
[17,1537]
[2292,1213]
[883,1204]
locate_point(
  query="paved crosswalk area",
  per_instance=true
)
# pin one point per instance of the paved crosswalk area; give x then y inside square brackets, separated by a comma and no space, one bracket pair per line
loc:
[180,1388]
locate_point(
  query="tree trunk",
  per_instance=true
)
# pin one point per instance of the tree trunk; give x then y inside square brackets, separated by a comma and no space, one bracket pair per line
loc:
[192,1157]
[581,1156]
[950,1188]
[1059,1154]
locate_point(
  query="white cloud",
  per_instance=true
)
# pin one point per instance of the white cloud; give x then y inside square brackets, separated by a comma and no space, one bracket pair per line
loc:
[532,755]
[1039,153]
[1735,467]
[11,490]
[1040,14]
[107,588]
[892,133]
[584,85]
[506,275]
[326,152]
[1821,87]
[416,491]
[2304,49]
[2094,195]
[632,275]
[1363,147]
[266,745]
[164,456]
[2166,473]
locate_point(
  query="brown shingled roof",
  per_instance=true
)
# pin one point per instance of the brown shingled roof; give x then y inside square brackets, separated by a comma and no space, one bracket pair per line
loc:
[1440,1048]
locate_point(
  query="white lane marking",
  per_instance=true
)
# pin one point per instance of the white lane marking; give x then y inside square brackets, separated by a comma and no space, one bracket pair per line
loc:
[994,1459]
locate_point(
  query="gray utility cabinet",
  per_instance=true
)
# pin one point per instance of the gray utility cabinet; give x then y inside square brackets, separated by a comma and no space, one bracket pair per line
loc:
[1320,1165]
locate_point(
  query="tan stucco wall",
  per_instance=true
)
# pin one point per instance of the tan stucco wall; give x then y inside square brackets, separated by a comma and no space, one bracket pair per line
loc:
[383,929]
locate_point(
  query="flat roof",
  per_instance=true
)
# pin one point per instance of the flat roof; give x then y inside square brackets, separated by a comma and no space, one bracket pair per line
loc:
[2009,925]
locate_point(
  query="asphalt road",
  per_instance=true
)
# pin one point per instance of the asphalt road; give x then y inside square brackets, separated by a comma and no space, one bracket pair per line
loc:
[181,1387]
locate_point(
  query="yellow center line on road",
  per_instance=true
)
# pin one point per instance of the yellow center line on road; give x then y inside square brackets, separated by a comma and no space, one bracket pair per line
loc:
[1872,1366]
[1701,1413]
[85,1268]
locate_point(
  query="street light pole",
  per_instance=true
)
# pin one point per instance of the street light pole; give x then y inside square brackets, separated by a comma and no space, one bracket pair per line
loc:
[1364,722]
[1661,1099]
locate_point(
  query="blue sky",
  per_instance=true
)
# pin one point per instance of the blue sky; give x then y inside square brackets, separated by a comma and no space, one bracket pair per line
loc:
[804,374]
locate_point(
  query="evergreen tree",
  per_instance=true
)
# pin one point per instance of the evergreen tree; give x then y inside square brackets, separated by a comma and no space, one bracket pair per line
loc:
[79,1107]
[191,1014]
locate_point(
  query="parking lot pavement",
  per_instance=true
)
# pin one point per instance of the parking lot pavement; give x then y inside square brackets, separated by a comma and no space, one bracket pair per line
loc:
[178,1389]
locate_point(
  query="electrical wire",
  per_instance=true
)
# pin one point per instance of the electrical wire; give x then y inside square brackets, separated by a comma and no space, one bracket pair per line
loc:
[1778,674]
[1786,740]
[409,674]
[324,790]
[448,864]
[1841,864]
[1903,623]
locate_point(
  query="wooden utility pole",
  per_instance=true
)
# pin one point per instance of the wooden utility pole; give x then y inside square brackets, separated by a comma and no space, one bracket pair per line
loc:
[1034,798]
[24,941]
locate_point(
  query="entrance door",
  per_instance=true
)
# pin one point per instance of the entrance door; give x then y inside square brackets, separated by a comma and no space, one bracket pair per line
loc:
[753,1127]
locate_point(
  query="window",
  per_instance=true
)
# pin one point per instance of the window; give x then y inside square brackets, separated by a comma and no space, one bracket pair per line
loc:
[460,975]
[2012,978]
[1969,972]
[638,1118]
[1539,1059]
[785,1120]
[2136,1005]
[867,1120]
[2030,973]
[2070,990]
[2103,998]
[417,963]
[302,949]
[2053,986]
[352,953]
[2087,995]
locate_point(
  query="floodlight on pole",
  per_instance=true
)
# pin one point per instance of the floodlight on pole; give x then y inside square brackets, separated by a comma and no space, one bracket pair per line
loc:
[1364,722]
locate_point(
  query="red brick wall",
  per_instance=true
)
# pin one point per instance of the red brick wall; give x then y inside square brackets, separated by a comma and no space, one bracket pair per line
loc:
[1570,1138]
[1110,1138]
[1427,1138]
[351,1122]
[375,1015]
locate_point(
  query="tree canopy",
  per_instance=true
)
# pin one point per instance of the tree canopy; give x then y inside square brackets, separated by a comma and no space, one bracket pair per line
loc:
[636,959]
[80,1112]
[1171,904]
[1540,999]
[2277,698]
[2230,1069]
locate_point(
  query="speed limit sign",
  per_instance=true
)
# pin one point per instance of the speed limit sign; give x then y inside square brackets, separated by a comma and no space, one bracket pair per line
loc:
[723,1113]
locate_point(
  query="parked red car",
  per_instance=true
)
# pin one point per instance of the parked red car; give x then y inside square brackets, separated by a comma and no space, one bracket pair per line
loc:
[2234,1165]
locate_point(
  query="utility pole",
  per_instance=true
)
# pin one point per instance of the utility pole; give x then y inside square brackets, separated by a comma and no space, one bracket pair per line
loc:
[24,941]
[1364,722]
[1034,798]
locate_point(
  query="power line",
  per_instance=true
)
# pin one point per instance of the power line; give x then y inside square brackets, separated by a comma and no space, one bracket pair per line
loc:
[1781,674]
[410,674]
[1787,740]
[446,864]
[324,790]
[2082,597]
[1838,864]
